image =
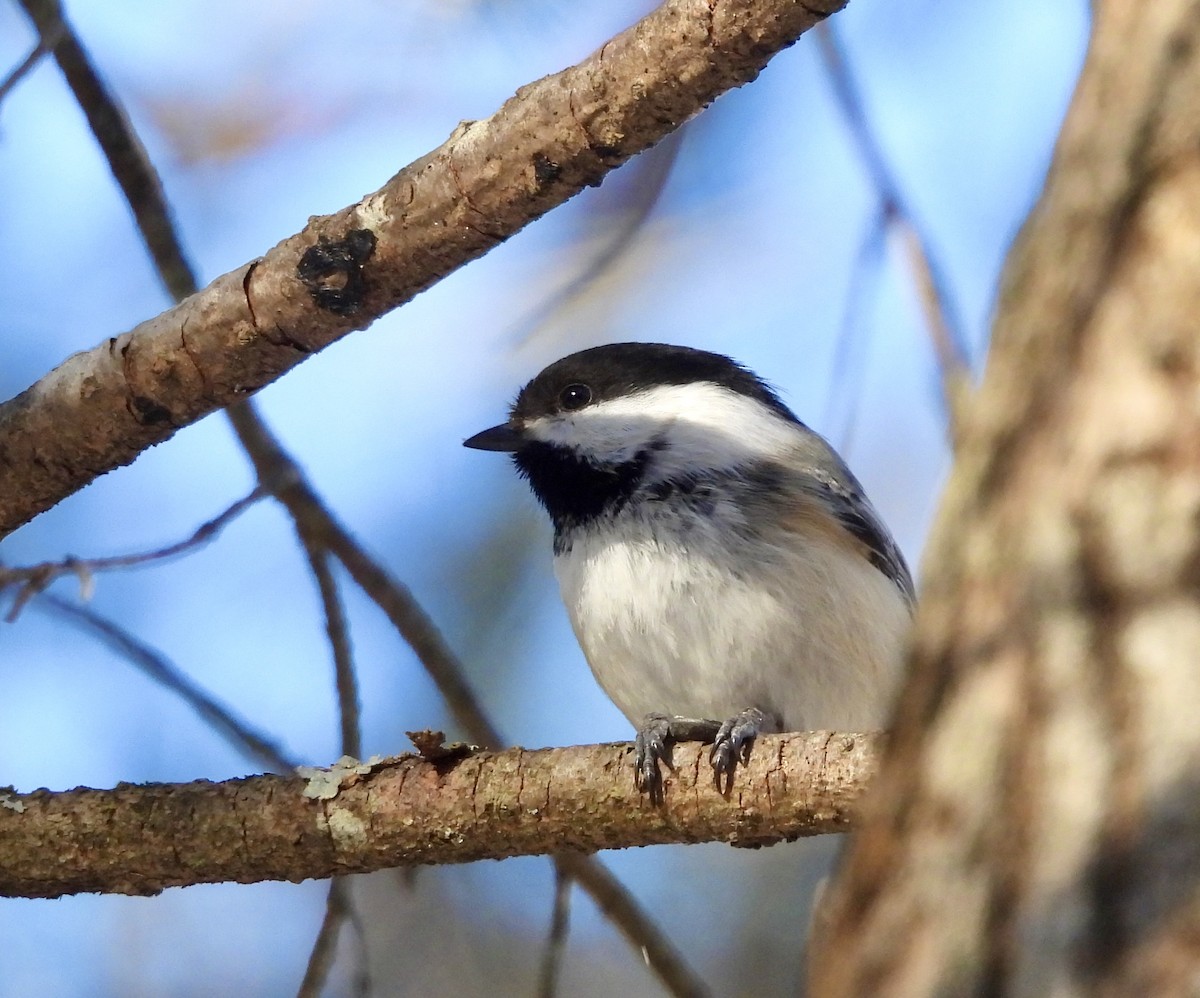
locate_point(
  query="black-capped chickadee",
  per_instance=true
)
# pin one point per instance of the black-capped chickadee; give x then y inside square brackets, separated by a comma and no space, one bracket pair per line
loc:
[716,556]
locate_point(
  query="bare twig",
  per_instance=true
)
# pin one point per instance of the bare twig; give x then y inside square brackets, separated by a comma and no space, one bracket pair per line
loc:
[945,336]
[848,353]
[659,163]
[45,44]
[345,678]
[160,669]
[957,383]
[640,930]
[324,948]
[34,579]
[339,906]
[556,939]
[338,910]
[126,156]
[360,986]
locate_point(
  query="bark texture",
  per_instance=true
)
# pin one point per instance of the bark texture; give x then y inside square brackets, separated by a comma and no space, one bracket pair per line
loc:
[102,407]
[138,839]
[1037,829]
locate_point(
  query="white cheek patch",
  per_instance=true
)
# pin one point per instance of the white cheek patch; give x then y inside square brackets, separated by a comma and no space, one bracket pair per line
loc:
[702,425]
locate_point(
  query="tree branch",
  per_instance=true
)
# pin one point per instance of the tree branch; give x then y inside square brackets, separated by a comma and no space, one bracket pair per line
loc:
[139,839]
[125,154]
[156,667]
[30,580]
[9,83]
[102,407]
[338,910]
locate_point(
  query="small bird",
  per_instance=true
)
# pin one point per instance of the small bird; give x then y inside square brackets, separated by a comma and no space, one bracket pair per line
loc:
[723,571]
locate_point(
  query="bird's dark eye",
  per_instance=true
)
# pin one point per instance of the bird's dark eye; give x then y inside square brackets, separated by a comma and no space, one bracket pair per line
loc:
[574,397]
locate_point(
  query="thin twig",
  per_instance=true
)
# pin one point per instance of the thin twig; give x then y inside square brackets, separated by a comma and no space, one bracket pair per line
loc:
[45,44]
[556,939]
[345,677]
[324,949]
[339,906]
[656,166]
[953,361]
[360,986]
[619,907]
[157,667]
[35,578]
[842,414]
[280,474]
[127,158]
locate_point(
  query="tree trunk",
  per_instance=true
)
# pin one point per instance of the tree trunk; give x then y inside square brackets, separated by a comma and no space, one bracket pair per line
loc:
[1036,827]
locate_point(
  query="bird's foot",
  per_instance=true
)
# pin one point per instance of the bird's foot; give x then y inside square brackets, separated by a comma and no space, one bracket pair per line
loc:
[732,744]
[653,747]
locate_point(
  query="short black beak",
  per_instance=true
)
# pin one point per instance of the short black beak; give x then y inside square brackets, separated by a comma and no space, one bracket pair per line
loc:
[504,437]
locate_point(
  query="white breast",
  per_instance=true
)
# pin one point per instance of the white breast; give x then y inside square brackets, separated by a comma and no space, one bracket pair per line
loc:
[810,634]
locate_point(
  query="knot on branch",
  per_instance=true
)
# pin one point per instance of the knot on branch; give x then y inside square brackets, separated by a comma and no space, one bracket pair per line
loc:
[333,271]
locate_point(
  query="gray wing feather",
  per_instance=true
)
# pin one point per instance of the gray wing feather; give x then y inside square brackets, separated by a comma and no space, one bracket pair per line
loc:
[843,496]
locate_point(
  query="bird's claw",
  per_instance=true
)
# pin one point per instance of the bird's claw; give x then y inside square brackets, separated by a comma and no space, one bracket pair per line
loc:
[733,743]
[651,747]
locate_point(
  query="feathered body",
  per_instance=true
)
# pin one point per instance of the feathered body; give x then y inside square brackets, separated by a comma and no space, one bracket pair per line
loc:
[713,553]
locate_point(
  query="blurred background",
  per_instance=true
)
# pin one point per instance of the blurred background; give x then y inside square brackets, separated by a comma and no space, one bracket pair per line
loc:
[755,231]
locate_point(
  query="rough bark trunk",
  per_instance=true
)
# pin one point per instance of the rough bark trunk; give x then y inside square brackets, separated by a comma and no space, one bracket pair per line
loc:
[1036,827]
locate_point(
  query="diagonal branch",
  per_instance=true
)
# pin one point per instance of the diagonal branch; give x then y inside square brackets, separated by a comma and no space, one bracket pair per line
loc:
[104,406]
[45,43]
[31,580]
[338,909]
[222,719]
[139,839]
[556,940]
[124,152]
